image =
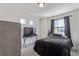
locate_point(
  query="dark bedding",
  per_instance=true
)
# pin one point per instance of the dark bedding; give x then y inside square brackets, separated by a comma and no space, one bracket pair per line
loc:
[53,46]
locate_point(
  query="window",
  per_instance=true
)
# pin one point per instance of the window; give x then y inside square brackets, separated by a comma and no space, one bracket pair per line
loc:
[31,22]
[59,26]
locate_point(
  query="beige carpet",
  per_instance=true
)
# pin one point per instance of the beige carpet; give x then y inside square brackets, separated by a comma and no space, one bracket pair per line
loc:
[28,52]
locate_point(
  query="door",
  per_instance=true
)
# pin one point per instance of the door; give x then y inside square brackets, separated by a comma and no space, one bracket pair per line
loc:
[10,39]
[13,38]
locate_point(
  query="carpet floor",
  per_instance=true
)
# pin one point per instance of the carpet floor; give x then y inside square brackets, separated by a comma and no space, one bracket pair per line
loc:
[30,52]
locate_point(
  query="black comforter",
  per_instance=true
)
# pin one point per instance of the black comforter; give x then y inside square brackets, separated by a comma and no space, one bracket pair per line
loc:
[53,47]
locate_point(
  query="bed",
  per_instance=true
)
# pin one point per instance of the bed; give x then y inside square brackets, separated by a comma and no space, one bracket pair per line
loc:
[53,46]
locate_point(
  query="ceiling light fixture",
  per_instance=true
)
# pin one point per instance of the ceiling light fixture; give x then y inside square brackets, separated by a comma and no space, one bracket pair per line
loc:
[41,4]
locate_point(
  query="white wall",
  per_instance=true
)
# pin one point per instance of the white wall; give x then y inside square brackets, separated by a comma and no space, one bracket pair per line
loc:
[78,30]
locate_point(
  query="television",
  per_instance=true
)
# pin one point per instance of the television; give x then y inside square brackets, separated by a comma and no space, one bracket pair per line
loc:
[28,31]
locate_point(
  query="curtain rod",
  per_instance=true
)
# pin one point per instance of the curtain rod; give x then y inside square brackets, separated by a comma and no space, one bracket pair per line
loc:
[60,17]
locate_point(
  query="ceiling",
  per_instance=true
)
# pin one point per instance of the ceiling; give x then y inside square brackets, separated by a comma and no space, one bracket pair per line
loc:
[32,9]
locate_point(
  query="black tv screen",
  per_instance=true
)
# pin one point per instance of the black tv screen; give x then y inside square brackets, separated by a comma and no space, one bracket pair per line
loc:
[28,31]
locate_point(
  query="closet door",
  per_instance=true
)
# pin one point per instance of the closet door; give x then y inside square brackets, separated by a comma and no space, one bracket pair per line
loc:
[10,39]
[3,38]
[13,34]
